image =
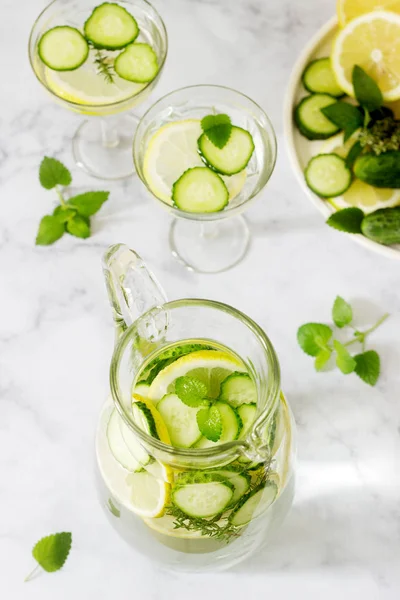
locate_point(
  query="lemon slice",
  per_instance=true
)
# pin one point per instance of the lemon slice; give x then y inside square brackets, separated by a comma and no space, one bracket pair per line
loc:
[209,366]
[171,151]
[149,495]
[88,87]
[371,41]
[351,9]
[165,526]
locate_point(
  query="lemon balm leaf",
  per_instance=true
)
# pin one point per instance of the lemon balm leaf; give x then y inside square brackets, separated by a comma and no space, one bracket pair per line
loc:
[52,172]
[368,366]
[347,219]
[313,337]
[217,128]
[190,390]
[50,230]
[344,360]
[79,226]
[210,423]
[342,313]
[366,90]
[89,203]
[322,358]
[52,551]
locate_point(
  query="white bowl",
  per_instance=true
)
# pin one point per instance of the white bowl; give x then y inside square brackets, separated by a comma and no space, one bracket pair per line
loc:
[301,149]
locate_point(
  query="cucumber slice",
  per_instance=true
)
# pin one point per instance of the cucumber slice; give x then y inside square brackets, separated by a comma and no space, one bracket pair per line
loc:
[318,77]
[231,426]
[142,389]
[200,190]
[134,447]
[202,495]
[240,480]
[63,48]
[117,444]
[311,122]
[180,420]
[233,157]
[238,388]
[247,412]
[253,504]
[327,175]
[137,63]
[167,357]
[144,419]
[110,26]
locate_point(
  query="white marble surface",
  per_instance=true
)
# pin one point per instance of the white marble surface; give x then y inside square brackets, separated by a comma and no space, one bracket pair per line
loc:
[342,539]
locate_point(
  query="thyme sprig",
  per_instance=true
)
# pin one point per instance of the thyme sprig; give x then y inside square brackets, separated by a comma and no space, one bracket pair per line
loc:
[207,527]
[105,66]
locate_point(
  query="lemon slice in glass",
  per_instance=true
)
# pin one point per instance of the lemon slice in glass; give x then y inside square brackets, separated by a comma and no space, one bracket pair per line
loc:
[171,151]
[371,41]
[351,9]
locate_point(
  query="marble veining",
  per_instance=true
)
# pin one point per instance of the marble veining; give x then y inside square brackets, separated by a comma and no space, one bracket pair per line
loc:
[342,539]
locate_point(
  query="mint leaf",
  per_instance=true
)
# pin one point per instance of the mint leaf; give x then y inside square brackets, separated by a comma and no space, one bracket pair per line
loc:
[52,551]
[89,203]
[313,337]
[322,358]
[210,423]
[190,390]
[344,360]
[52,172]
[79,226]
[63,214]
[217,128]
[347,219]
[50,230]
[353,153]
[342,313]
[368,366]
[345,116]
[366,90]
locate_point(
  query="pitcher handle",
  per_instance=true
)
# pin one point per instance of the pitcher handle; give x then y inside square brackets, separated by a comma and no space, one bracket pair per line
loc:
[132,288]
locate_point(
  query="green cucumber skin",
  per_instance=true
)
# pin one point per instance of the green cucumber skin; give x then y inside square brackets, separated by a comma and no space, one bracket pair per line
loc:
[309,133]
[382,226]
[219,171]
[149,418]
[175,192]
[120,58]
[167,357]
[107,47]
[247,497]
[382,171]
[69,68]
[318,192]
[312,89]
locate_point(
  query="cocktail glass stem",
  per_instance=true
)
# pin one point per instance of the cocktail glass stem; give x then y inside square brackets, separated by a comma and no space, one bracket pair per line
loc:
[109,135]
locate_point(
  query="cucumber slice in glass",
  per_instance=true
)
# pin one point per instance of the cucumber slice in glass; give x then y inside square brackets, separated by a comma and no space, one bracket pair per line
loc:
[118,447]
[231,426]
[202,495]
[247,412]
[137,63]
[200,190]
[180,420]
[63,48]
[233,157]
[253,504]
[144,419]
[240,480]
[327,175]
[238,389]
[318,77]
[111,27]
[311,122]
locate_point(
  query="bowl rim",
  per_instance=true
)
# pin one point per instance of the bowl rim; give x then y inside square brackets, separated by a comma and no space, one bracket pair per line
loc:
[288,126]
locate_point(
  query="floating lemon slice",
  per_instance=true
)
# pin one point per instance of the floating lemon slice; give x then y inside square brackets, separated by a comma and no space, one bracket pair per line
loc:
[351,9]
[149,495]
[171,151]
[359,194]
[371,41]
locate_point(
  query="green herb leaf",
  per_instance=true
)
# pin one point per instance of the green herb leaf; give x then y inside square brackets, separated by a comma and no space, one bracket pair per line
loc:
[368,366]
[64,214]
[79,226]
[50,230]
[52,551]
[217,128]
[313,337]
[89,203]
[344,360]
[345,116]
[366,90]
[353,153]
[322,358]
[347,219]
[210,423]
[52,172]
[342,313]
[190,390]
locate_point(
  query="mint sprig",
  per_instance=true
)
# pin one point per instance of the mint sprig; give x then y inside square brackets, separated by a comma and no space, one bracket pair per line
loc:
[366,90]
[218,129]
[347,219]
[191,391]
[194,392]
[51,552]
[315,339]
[70,216]
[210,423]
[345,116]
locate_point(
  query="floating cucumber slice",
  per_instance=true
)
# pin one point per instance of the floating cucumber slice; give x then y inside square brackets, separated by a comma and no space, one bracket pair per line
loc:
[134,447]
[240,480]
[233,157]
[200,190]
[247,412]
[63,48]
[237,389]
[110,26]
[144,419]
[137,63]
[117,444]
[231,426]
[202,495]
[318,77]
[327,175]
[180,420]
[253,504]
[166,357]
[141,389]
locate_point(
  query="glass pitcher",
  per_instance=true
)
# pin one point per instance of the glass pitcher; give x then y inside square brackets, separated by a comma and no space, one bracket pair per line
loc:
[178,494]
